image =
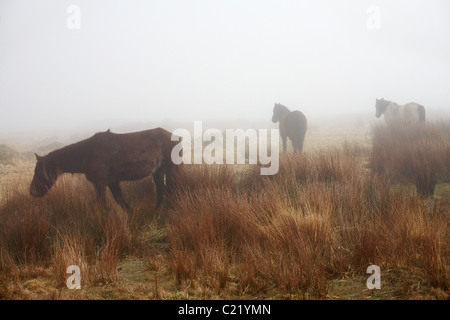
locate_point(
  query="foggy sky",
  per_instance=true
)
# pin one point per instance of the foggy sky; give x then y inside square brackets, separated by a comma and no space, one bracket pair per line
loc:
[138,61]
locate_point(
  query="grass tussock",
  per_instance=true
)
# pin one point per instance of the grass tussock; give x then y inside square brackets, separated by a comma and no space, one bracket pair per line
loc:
[417,154]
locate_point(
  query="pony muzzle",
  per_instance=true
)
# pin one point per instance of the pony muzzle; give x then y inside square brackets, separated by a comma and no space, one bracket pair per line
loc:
[36,193]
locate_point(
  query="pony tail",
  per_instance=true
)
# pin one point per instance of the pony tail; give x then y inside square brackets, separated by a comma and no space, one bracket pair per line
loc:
[422,114]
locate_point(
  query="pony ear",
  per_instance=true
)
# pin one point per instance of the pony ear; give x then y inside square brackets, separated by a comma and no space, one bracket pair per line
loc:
[38,158]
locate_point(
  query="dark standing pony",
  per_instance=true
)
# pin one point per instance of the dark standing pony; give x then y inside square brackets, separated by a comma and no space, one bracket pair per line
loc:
[107,158]
[292,124]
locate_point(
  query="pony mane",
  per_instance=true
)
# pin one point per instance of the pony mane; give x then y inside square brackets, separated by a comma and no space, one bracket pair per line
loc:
[101,133]
[281,107]
[76,144]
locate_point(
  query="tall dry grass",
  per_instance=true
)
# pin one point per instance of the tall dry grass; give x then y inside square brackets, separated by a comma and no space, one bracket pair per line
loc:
[418,154]
[67,227]
[324,216]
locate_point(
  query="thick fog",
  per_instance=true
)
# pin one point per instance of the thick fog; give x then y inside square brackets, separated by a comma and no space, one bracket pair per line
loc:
[102,63]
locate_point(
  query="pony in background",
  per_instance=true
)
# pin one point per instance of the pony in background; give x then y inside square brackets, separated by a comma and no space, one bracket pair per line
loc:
[292,124]
[411,113]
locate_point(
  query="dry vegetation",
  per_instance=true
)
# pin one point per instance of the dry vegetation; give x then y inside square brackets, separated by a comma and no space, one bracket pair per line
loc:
[310,231]
[416,154]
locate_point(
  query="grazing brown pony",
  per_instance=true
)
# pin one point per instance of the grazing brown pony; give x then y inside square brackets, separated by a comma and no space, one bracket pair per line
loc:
[107,158]
[292,124]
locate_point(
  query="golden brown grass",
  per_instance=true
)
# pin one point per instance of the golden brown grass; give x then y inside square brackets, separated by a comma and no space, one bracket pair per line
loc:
[418,154]
[229,232]
[323,217]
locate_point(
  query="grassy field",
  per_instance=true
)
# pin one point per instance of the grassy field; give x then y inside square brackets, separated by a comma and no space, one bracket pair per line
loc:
[309,232]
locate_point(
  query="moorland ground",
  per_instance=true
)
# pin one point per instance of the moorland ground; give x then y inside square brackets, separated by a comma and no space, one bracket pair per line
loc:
[310,231]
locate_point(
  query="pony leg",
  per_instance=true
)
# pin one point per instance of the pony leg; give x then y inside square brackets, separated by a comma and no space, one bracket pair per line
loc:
[117,194]
[284,139]
[158,178]
[170,177]
[101,196]
[298,145]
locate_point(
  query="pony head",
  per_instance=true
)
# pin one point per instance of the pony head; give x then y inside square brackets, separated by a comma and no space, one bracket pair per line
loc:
[380,107]
[277,112]
[43,179]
